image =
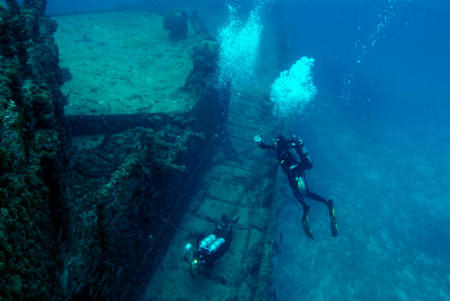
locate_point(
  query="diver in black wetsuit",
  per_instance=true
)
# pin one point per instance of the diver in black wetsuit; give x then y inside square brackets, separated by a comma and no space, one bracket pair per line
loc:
[212,247]
[293,157]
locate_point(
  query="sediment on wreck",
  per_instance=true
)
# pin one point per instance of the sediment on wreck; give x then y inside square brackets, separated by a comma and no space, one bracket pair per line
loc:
[88,223]
[127,194]
[31,153]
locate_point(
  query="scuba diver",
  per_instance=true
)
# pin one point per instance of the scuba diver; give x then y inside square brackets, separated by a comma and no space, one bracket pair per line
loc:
[212,247]
[294,159]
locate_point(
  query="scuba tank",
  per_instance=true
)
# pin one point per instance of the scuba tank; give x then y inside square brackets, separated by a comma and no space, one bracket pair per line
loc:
[207,241]
[216,245]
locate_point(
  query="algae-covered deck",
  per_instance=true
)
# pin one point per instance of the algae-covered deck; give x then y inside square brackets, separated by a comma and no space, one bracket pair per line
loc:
[241,182]
[123,62]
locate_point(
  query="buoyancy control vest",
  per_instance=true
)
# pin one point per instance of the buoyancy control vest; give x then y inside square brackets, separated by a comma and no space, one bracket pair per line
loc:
[292,156]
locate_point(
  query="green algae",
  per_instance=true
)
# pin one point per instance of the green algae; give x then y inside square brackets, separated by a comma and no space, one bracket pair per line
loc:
[71,233]
[26,226]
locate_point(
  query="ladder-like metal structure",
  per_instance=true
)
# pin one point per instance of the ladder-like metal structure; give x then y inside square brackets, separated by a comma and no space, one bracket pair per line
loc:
[242,182]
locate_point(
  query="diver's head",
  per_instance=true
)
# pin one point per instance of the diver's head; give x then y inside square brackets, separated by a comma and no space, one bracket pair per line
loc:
[279,141]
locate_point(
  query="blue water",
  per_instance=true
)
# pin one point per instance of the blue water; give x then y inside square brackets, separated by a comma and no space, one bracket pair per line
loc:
[381,149]
[379,135]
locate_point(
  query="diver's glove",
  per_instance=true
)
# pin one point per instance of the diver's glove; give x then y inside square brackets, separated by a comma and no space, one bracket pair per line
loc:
[257,139]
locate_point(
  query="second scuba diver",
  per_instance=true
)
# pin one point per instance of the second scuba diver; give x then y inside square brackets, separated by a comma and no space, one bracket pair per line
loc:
[211,247]
[294,159]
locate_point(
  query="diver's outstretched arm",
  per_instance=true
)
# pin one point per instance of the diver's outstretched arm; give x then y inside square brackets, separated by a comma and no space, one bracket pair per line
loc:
[263,145]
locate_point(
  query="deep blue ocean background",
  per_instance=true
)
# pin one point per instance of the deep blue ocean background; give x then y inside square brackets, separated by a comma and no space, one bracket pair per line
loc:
[379,135]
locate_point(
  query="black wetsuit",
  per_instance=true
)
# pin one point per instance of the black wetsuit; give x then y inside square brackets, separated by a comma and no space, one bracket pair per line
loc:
[294,159]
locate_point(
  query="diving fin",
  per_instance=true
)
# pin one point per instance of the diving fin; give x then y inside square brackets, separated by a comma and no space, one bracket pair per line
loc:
[333,223]
[305,223]
[224,219]
[333,226]
[227,222]
[307,229]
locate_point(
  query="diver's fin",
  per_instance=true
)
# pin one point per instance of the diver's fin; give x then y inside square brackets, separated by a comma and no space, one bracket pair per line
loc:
[333,223]
[305,222]
[307,229]
[224,219]
[333,226]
